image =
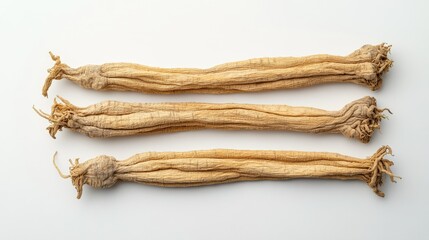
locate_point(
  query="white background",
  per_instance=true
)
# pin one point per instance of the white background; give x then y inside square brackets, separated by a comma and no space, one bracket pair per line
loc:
[36,203]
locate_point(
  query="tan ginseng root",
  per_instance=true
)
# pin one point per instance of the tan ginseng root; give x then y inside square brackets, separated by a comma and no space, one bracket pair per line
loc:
[357,119]
[197,168]
[364,66]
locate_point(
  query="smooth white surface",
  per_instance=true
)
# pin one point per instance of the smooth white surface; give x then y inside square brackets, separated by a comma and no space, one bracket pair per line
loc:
[36,203]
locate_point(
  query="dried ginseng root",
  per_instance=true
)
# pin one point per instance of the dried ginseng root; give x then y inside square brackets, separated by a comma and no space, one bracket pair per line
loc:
[364,66]
[357,119]
[197,168]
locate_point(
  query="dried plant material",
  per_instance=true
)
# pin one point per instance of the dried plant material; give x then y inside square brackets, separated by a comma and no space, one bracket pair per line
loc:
[197,168]
[364,66]
[356,120]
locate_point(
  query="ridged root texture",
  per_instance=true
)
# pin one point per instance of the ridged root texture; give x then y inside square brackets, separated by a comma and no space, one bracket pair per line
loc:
[198,168]
[364,66]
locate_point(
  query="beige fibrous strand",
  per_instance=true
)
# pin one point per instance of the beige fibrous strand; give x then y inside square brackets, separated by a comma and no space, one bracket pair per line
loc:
[358,119]
[364,66]
[207,167]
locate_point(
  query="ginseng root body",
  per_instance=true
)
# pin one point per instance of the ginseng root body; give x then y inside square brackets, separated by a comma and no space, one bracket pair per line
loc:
[364,66]
[357,119]
[197,168]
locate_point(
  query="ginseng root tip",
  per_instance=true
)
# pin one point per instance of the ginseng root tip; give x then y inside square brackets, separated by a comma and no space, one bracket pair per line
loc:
[58,169]
[54,73]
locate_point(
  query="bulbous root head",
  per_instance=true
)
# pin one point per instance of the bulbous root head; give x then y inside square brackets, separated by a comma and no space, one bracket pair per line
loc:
[97,172]
[378,56]
[363,118]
